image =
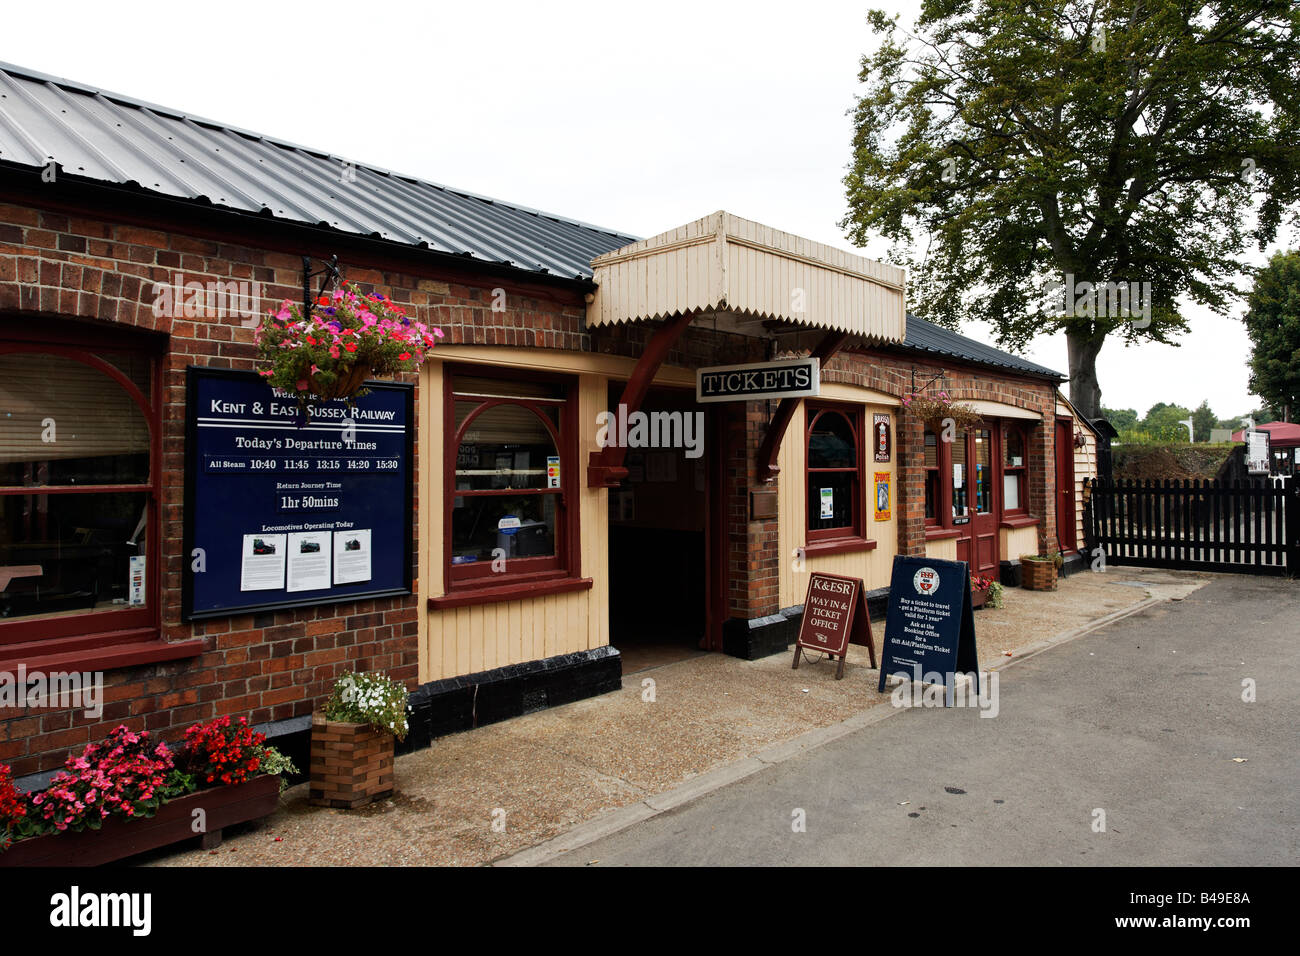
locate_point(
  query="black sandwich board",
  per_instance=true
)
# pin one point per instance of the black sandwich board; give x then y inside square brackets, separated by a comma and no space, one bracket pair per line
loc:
[929,627]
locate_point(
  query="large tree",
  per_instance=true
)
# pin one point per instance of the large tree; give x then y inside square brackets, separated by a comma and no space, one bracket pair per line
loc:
[1273,323]
[1010,147]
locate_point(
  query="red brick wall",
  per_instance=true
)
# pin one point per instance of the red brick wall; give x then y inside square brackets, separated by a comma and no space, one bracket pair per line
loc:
[270,666]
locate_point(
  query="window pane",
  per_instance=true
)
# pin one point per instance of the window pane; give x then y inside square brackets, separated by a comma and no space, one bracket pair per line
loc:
[831,444]
[1015,448]
[931,450]
[932,493]
[959,476]
[1011,491]
[64,554]
[65,423]
[476,525]
[983,471]
[830,500]
[504,447]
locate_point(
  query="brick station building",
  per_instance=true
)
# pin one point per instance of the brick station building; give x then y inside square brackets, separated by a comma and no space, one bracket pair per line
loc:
[615,553]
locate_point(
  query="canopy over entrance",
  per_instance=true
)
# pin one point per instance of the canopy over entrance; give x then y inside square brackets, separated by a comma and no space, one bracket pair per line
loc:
[747,274]
[749,279]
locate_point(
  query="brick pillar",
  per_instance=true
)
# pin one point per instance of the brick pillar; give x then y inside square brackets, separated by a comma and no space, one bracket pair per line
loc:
[1042,478]
[753,627]
[909,497]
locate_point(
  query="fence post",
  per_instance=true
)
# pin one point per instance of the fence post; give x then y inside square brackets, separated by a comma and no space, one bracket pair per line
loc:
[1292,505]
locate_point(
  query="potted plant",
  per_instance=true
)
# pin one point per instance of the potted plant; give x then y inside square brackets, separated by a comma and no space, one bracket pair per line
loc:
[937,411]
[353,739]
[349,337]
[985,591]
[1038,572]
[128,794]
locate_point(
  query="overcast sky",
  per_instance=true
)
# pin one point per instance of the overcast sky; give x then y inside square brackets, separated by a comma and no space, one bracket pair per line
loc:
[639,118]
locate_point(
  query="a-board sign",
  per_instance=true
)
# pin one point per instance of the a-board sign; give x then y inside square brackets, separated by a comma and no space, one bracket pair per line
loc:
[786,378]
[834,616]
[278,515]
[929,626]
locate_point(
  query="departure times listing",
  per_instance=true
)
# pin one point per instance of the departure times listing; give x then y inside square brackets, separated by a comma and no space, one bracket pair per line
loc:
[285,506]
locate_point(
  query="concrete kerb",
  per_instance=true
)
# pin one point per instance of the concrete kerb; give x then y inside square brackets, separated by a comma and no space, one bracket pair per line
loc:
[705,783]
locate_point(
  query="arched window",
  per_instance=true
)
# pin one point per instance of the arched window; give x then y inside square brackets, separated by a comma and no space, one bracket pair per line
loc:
[78,491]
[508,470]
[834,473]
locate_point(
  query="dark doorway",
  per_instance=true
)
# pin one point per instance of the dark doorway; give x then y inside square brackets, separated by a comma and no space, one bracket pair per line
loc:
[658,536]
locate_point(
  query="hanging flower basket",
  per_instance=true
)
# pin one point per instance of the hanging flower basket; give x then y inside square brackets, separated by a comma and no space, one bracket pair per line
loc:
[349,337]
[937,411]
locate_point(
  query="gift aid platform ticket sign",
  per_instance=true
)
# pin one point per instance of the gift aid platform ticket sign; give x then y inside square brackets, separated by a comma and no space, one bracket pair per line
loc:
[278,515]
[929,627]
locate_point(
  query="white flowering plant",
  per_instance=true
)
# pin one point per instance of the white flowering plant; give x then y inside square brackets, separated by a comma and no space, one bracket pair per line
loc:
[369,698]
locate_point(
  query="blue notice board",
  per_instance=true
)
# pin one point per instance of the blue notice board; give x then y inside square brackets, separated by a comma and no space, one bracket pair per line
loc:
[280,513]
[929,626]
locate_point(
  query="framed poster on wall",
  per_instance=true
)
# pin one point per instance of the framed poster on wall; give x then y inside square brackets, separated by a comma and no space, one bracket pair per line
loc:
[281,512]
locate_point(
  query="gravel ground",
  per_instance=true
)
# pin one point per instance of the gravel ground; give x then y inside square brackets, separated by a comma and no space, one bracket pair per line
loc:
[538,775]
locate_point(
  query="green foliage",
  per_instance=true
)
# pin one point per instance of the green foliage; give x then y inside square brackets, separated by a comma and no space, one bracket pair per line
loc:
[1203,420]
[1120,418]
[368,698]
[274,762]
[1273,323]
[1165,423]
[1008,145]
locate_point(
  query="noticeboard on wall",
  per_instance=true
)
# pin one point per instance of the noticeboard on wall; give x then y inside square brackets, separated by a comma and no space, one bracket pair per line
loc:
[280,513]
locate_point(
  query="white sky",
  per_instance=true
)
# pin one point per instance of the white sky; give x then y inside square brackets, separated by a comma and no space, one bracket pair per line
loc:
[638,118]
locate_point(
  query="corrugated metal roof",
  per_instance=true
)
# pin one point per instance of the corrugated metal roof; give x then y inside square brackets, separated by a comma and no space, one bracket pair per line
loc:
[923,336]
[97,135]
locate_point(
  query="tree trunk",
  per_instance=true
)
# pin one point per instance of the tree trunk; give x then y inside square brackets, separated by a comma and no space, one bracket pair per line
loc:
[1085,392]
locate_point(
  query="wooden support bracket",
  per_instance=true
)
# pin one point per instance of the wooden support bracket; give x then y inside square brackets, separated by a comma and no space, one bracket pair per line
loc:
[605,467]
[767,454]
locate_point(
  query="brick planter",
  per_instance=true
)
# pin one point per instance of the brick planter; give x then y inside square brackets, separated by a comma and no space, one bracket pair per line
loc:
[1038,575]
[351,764]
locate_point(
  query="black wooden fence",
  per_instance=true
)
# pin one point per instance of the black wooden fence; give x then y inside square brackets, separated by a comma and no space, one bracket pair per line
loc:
[1245,526]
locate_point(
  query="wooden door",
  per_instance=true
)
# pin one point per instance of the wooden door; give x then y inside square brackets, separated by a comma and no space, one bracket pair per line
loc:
[976,499]
[1065,503]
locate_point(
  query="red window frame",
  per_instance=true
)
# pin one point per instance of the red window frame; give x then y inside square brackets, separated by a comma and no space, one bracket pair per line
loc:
[1010,426]
[96,630]
[523,576]
[936,472]
[851,537]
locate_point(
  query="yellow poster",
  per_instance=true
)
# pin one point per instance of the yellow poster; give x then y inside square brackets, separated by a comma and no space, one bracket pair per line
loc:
[882,496]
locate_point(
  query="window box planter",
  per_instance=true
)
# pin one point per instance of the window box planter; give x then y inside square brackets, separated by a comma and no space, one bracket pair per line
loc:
[978,598]
[351,764]
[120,837]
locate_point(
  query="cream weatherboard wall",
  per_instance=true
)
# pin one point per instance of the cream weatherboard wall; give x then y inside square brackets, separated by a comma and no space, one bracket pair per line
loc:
[942,549]
[466,640]
[873,566]
[1018,541]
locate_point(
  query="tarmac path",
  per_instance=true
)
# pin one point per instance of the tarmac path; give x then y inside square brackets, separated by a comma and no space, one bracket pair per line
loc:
[1143,719]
